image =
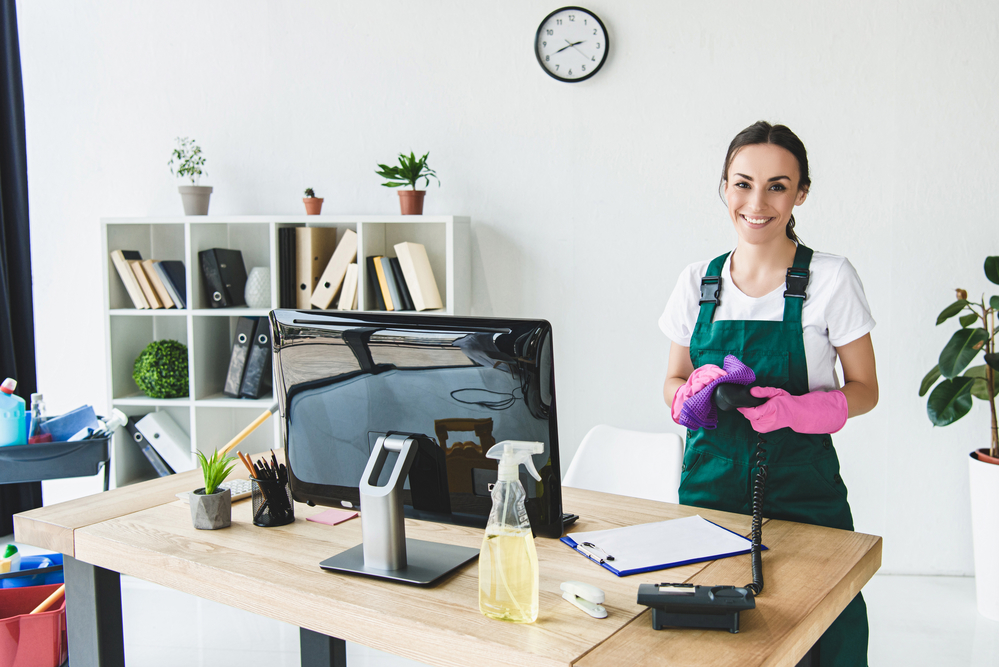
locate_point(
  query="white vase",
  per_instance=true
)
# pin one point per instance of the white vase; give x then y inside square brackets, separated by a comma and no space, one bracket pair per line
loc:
[195,198]
[258,288]
[985,532]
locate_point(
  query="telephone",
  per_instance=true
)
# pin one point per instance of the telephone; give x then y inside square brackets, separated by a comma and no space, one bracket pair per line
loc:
[693,606]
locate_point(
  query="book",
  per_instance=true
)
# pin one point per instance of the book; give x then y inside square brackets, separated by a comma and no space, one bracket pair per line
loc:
[121,259]
[419,275]
[348,293]
[155,460]
[374,289]
[400,283]
[237,359]
[332,278]
[145,285]
[391,283]
[149,268]
[383,283]
[171,273]
[257,376]
[287,268]
[314,247]
[224,277]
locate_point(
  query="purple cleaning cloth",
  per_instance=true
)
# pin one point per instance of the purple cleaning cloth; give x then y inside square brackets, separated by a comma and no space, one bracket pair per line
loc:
[699,410]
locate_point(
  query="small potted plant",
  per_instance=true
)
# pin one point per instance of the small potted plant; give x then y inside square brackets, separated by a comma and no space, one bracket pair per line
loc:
[211,508]
[313,204]
[952,399]
[409,171]
[187,162]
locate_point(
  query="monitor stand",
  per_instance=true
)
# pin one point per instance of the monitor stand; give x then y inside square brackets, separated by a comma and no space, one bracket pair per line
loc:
[385,552]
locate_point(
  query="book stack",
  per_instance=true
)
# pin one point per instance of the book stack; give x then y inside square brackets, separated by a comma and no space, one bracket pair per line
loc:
[403,282]
[150,283]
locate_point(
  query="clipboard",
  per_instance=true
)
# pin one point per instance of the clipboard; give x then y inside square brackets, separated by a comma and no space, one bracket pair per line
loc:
[648,547]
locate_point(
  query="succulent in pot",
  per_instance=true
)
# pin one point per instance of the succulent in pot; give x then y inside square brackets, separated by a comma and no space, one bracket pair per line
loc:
[211,507]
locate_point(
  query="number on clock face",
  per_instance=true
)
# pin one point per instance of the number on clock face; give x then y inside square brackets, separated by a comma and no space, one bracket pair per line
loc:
[571,44]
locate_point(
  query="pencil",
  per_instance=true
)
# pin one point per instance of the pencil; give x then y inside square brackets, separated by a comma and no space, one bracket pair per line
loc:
[50,600]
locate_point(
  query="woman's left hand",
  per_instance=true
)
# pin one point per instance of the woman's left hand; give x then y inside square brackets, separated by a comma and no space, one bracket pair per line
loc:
[814,412]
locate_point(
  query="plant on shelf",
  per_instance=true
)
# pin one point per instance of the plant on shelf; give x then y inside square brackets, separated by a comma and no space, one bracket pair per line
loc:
[410,170]
[211,508]
[160,370]
[952,399]
[186,162]
[313,204]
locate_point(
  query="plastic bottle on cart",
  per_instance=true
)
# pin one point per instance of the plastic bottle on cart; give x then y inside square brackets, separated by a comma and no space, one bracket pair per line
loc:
[13,429]
[38,416]
[508,562]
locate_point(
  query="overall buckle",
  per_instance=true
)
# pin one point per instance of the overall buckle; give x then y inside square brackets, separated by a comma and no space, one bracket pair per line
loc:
[710,289]
[797,280]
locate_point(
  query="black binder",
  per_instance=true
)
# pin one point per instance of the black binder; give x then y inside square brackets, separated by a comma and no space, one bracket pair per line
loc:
[373,286]
[224,277]
[159,465]
[400,282]
[287,258]
[257,377]
[245,328]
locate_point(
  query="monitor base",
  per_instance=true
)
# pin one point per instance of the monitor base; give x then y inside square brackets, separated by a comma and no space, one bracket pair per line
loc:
[426,562]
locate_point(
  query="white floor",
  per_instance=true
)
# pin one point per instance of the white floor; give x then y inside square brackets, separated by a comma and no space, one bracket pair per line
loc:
[914,621]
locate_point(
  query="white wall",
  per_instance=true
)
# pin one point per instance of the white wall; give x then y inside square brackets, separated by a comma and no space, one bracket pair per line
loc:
[586,199]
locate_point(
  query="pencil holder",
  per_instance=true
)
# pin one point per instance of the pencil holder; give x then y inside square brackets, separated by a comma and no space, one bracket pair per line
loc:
[272,505]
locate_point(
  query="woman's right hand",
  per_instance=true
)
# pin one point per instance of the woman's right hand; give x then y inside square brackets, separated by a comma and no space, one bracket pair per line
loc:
[698,380]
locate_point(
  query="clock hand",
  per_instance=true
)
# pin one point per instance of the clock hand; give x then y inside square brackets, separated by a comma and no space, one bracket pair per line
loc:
[566,47]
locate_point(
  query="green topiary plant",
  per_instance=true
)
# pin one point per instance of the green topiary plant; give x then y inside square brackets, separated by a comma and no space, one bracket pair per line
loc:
[409,171]
[189,160]
[951,399]
[215,470]
[160,371]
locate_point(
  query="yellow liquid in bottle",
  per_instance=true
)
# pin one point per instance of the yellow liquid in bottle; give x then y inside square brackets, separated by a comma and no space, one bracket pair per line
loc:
[508,576]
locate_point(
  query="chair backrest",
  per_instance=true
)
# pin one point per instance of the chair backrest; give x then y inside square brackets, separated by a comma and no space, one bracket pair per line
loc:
[628,463]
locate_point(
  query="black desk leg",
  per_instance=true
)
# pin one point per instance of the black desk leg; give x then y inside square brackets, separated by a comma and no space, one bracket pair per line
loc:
[93,615]
[319,650]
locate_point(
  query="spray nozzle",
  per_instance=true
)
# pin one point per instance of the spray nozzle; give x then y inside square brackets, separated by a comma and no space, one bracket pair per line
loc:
[8,386]
[513,453]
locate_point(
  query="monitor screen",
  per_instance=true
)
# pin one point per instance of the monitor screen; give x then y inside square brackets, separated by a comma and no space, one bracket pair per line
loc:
[461,384]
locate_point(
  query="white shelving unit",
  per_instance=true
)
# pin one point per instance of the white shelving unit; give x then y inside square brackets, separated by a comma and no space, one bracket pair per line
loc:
[207,415]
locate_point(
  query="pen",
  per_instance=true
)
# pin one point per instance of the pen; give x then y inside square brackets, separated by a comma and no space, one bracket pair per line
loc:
[590,549]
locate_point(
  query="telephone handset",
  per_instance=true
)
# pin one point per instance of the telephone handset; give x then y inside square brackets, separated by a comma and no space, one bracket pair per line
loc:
[693,606]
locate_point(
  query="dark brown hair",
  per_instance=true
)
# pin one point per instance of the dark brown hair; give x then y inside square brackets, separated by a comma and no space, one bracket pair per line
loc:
[762,132]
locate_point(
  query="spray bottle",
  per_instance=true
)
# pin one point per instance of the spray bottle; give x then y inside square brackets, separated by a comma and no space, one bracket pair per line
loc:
[508,562]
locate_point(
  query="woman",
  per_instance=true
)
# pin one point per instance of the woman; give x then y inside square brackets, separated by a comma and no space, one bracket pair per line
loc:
[787,313]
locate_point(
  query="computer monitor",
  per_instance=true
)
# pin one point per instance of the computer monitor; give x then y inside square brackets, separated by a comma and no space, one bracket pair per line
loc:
[460,384]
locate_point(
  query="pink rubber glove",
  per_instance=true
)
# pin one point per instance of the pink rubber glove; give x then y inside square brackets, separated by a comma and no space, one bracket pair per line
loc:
[814,412]
[698,380]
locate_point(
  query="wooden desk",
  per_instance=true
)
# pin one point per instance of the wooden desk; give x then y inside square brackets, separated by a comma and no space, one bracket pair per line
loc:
[143,531]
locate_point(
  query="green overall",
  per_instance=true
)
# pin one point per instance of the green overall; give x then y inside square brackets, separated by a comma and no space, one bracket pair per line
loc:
[803,482]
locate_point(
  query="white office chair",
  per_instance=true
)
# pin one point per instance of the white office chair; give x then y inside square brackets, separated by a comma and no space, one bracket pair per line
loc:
[628,463]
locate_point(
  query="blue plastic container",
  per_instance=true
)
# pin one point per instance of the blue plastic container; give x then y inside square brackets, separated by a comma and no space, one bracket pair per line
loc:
[13,427]
[36,563]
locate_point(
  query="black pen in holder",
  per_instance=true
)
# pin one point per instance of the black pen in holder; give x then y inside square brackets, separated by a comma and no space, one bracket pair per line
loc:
[272,505]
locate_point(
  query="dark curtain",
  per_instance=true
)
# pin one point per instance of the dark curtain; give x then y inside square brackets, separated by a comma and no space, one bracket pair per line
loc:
[17,328]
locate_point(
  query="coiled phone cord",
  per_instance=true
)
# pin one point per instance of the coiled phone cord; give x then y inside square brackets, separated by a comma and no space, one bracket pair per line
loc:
[758,488]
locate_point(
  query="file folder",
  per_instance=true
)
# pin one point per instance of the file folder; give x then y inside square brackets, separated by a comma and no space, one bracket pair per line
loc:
[257,376]
[159,465]
[225,277]
[245,327]
[648,547]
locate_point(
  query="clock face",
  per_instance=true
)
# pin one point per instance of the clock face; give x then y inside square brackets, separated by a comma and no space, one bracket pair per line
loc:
[571,44]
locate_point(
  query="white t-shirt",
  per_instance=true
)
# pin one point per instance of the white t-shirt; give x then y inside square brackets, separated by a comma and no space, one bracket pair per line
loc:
[835,311]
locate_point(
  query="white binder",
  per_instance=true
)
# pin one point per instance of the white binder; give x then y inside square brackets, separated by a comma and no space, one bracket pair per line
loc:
[168,439]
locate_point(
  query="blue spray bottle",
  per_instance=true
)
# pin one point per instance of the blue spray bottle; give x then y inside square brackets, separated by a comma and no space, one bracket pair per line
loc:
[13,428]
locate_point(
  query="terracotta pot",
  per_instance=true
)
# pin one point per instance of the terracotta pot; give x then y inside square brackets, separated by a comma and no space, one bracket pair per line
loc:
[411,201]
[313,205]
[983,455]
[211,512]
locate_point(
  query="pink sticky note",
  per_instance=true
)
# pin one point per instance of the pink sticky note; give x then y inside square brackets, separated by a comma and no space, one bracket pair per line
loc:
[332,517]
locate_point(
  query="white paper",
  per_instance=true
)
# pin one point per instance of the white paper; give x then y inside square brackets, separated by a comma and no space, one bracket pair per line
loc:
[663,544]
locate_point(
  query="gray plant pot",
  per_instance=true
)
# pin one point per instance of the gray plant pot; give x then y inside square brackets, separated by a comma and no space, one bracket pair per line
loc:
[211,512]
[195,198]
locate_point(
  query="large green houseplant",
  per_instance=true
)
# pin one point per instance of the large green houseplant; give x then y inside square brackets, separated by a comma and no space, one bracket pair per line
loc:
[956,388]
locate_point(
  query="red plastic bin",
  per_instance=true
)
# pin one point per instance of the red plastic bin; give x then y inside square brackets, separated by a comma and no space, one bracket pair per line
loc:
[31,641]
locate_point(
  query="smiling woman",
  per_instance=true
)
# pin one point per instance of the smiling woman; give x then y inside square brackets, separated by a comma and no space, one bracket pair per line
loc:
[787,313]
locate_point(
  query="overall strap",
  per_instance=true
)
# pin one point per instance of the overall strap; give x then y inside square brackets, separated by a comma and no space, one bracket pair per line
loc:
[711,289]
[796,282]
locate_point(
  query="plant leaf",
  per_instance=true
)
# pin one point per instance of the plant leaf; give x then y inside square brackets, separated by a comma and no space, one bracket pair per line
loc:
[994,302]
[960,350]
[992,269]
[950,401]
[928,381]
[968,320]
[951,310]
[980,388]
[992,360]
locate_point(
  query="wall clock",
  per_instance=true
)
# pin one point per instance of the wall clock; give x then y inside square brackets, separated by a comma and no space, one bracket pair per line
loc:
[571,44]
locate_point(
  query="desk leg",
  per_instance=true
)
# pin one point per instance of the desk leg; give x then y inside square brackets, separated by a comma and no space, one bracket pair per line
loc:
[93,615]
[319,650]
